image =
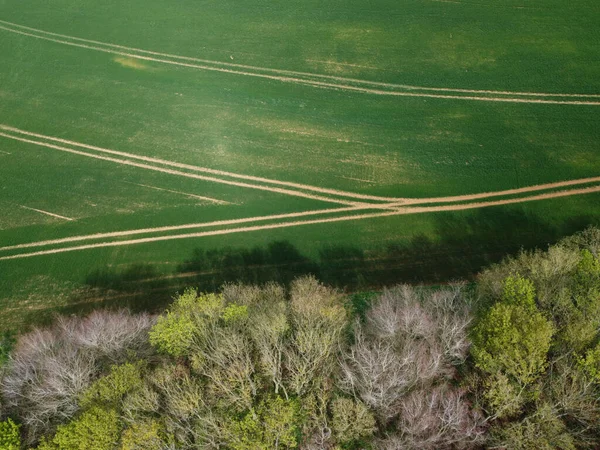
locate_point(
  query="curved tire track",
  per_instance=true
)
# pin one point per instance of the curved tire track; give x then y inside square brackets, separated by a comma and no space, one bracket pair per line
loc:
[402,211]
[336,83]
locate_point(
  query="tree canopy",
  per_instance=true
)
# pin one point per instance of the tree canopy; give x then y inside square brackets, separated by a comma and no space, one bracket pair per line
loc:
[511,362]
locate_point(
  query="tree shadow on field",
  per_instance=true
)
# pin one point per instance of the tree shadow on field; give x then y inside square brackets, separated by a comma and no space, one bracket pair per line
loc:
[462,245]
[280,261]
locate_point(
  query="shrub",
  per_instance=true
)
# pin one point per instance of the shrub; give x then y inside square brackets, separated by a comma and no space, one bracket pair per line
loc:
[10,437]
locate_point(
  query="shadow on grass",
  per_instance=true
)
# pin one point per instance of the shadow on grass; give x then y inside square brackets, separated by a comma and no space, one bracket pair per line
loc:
[464,244]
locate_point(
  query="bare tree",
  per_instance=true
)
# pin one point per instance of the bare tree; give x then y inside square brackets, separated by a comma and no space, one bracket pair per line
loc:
[44,378]
[439,418]
[110,334]
[49,368]
[450,310]
[411,338]
[380,373]
[442,316]
[398,311]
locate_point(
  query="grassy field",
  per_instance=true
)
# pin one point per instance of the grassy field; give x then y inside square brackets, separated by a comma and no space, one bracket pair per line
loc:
[145,146]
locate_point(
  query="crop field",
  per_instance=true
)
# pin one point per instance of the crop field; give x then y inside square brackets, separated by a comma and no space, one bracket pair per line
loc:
[148,145]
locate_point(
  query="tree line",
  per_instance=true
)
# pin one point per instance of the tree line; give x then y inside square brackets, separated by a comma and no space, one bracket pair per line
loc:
[512,361]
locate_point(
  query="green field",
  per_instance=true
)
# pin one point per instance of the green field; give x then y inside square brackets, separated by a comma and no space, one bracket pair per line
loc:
[383,100]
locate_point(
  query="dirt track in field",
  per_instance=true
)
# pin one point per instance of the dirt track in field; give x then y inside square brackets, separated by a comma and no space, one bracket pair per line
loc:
[537,187]
[185,174]
[298,73]
[306,187]
[402,211]
[178,227]
[394,207]
[336,83]
[390,201]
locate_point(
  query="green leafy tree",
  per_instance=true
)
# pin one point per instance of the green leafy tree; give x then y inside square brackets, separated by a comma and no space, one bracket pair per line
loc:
[112,388]
[95,429]
[542,430]
[175,331]
[518,291]
[146,435]
[587,276]
[513,337]
[590,363]
[274,425]
[580,323]
[502,398]
[233,313]
[351,420]
[10,438]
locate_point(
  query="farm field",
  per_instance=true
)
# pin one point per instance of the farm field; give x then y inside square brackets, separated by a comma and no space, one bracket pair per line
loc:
[145,146]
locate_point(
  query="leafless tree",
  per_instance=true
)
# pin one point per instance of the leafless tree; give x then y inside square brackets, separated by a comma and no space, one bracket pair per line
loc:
[413,314]
[380,373]
[439,418]
[110,334]
[450,310]
[50,367]
[411,338]
[44,377]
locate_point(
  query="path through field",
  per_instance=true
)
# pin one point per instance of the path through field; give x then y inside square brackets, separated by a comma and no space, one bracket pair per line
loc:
[392,205]
[400,211]
[307,78]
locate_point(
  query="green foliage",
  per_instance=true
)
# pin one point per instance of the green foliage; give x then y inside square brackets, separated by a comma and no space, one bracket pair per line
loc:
[502,398]
[174,331]
[519,291]
[95,429]
[10,437]
[579,316]
[111,388]
[514,340]
[141,403]
[590,363]
[542,430]
[587,276]
[275,424]
[146,435]
[235,313]
[351,420]
[567,293]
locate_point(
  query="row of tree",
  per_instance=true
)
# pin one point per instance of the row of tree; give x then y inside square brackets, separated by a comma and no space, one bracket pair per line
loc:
[513,362]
